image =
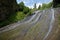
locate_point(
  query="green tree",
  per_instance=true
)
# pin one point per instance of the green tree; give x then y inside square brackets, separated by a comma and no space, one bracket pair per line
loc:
[26,10]
[49,5]
[21,6]
[44,6]
[39,7]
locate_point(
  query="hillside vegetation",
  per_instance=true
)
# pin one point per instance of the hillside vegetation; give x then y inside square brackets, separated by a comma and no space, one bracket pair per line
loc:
[21,12]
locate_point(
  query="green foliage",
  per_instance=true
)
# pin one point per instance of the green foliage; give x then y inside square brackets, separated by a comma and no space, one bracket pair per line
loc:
[21,6]
[26,10]
[30,12]
[39,7]
[45,6]
[13,18]
[49,4]
[3,23]
[20,16]
[58,5]
[10,20]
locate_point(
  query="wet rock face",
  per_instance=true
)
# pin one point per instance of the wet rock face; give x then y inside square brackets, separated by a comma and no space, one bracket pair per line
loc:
[7,7]
[56,2]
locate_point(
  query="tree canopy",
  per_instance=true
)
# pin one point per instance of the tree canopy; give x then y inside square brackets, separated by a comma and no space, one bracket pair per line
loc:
[21,6]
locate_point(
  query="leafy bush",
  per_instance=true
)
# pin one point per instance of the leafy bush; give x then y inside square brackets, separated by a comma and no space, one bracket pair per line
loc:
[26,10]
[13,18]
[10,20]
[20,16]
[21,12]
[21,6]
[45,6]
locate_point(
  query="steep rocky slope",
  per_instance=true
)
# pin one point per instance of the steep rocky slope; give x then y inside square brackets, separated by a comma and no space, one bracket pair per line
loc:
[55,33]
